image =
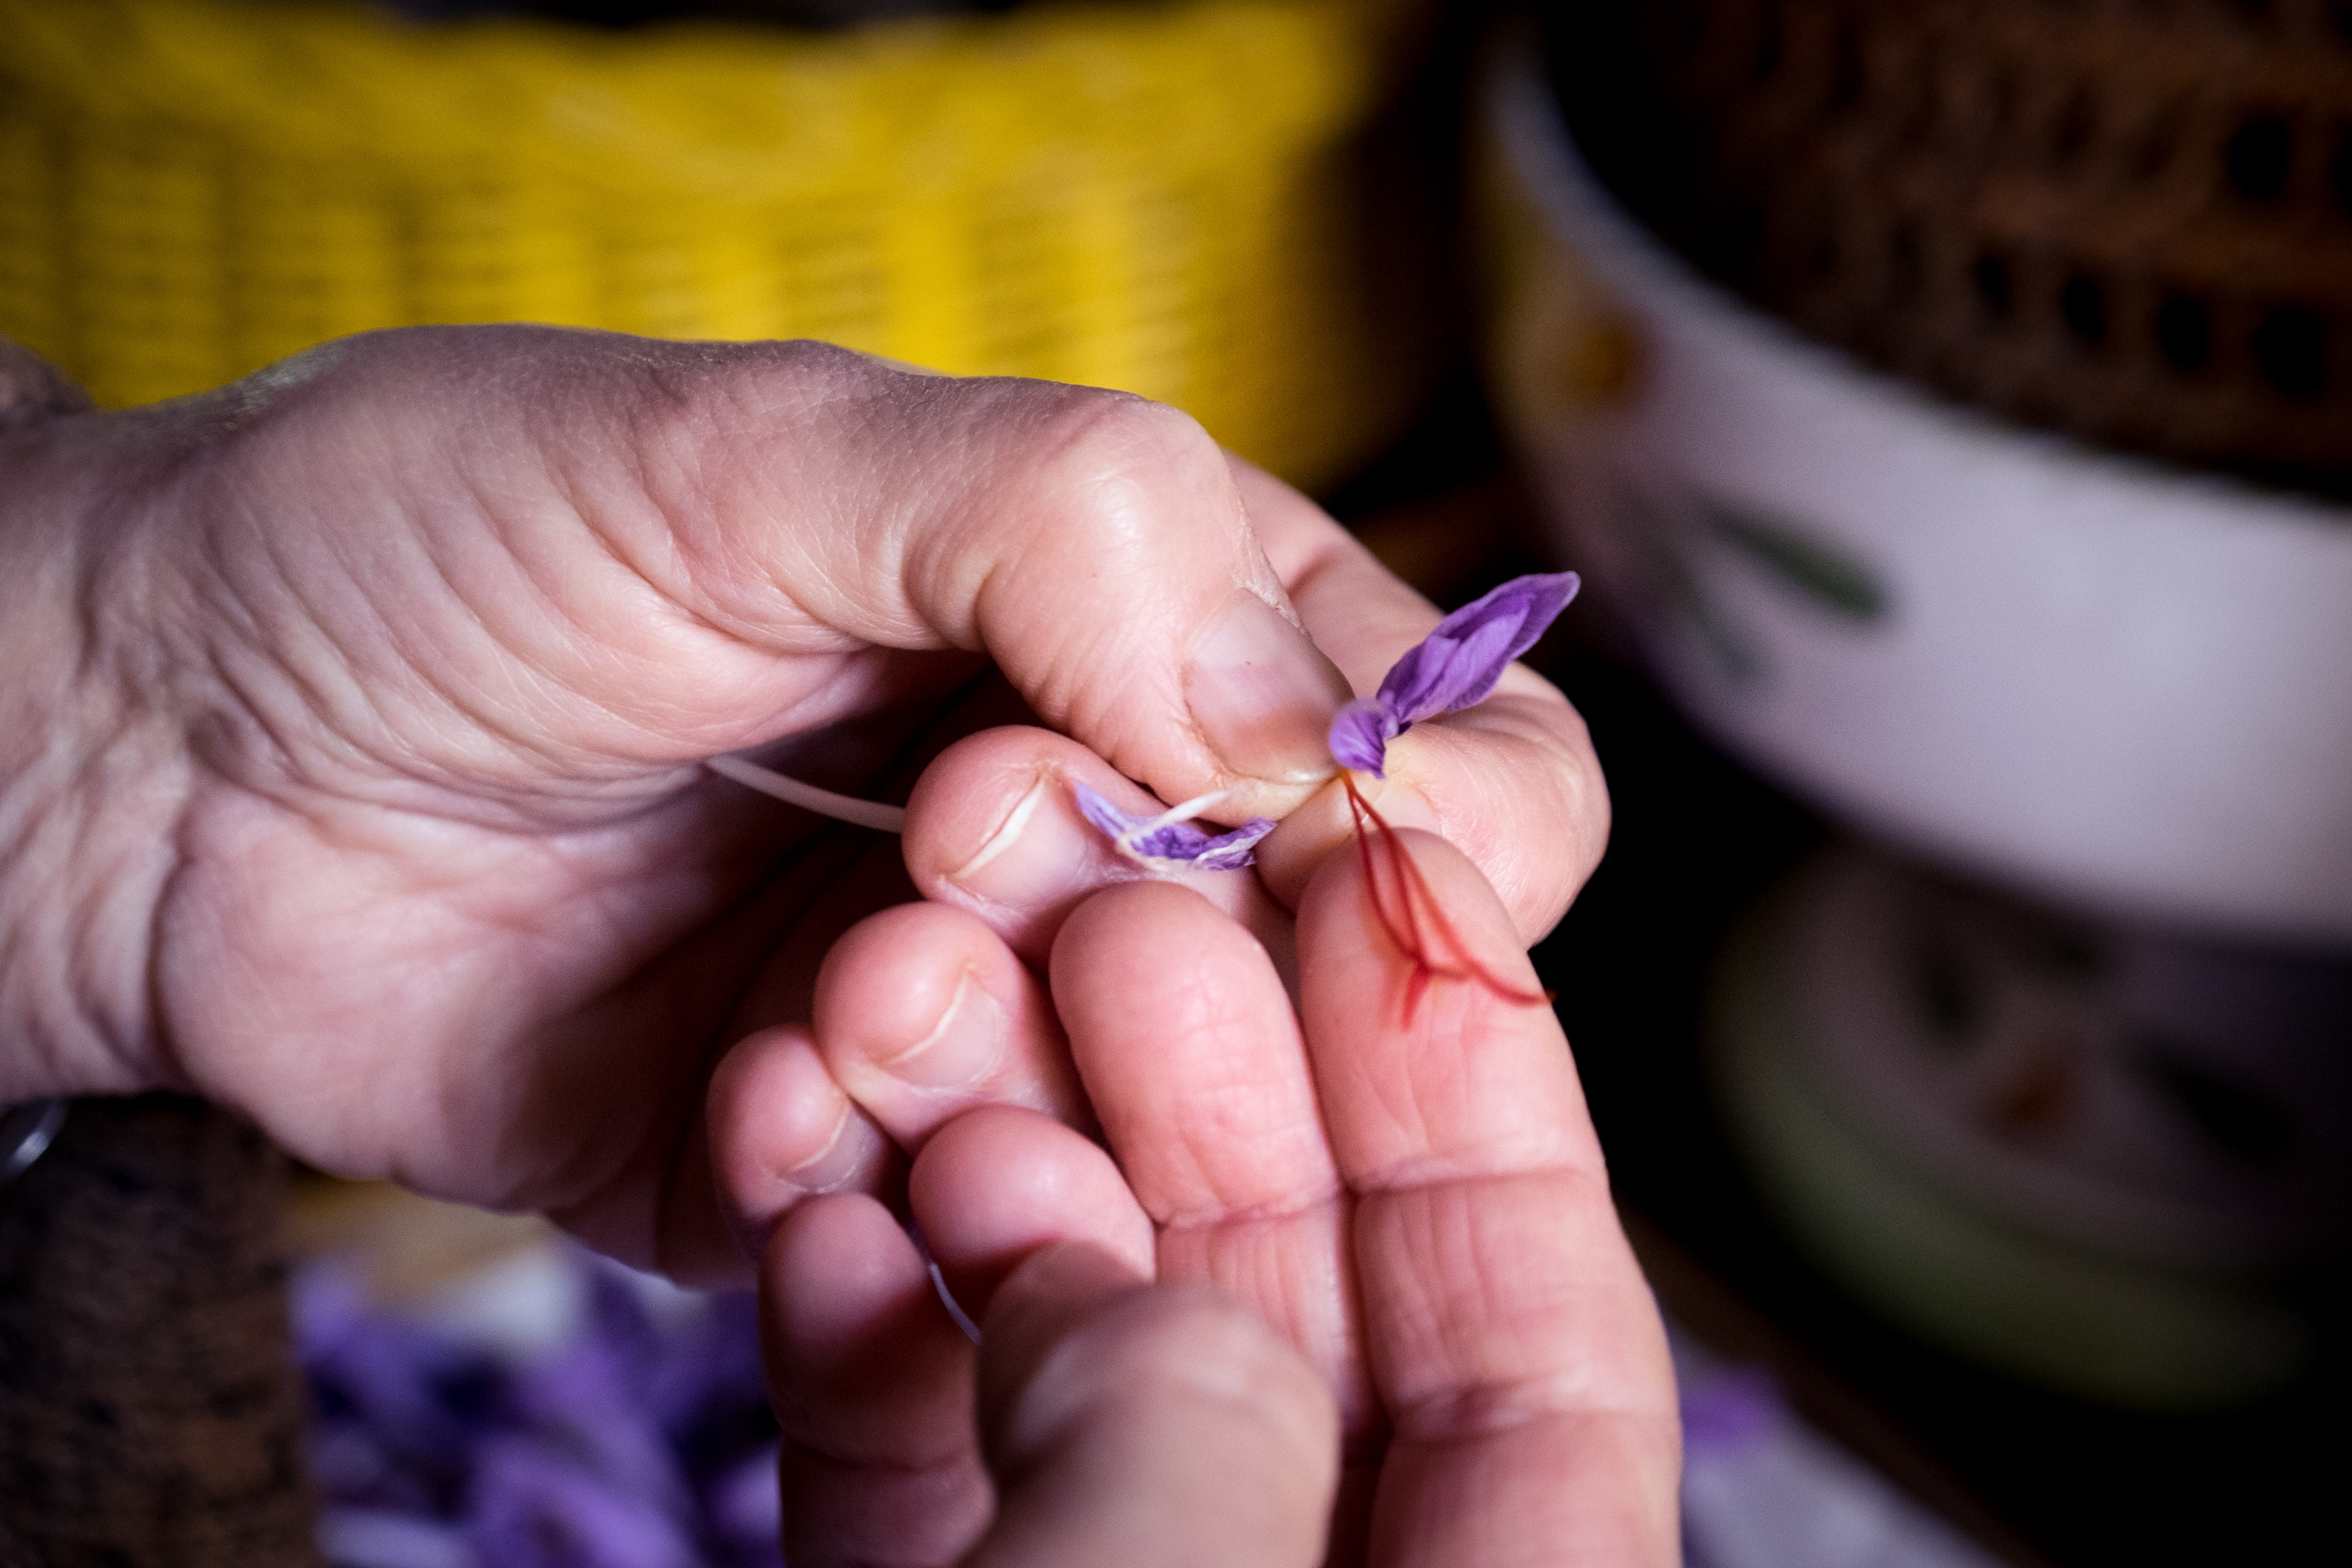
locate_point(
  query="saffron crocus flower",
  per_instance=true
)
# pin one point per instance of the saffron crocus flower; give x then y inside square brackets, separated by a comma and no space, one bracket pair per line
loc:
[1170,841]
[1454,667]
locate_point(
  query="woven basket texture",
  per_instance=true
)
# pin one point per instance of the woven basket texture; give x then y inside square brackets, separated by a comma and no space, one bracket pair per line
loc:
[1171,199]
[2129,219]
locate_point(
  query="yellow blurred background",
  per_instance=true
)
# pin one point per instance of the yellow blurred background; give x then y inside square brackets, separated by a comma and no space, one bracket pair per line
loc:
[1172,199]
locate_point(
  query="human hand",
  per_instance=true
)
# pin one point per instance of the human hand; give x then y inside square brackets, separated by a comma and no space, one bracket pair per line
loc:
[1118,1422]
[1415,1198]
[352,777]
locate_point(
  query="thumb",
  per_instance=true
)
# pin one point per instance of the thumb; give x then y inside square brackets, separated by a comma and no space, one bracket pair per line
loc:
[697,547]
[1093,545]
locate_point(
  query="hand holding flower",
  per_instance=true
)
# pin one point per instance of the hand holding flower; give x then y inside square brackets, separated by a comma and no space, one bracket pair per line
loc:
[1417,1204]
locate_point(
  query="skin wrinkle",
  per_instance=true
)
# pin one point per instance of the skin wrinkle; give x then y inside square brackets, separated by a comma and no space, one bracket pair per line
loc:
[790,568]
[1303,1242]
[490,629]
[258,633]
[324,708]
[460,1112]
[1476,1407]
[77,781]
[1272,1211]
[688,463]
[680,588]
[1206,1011]
[454,699]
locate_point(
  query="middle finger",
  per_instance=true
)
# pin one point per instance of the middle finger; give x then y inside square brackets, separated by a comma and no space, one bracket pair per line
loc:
[1185,1037]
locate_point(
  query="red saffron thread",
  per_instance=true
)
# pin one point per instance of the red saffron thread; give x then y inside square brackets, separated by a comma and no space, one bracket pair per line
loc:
[1404,902]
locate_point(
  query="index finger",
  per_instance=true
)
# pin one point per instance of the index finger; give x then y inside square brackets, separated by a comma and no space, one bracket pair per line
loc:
[1509,1331]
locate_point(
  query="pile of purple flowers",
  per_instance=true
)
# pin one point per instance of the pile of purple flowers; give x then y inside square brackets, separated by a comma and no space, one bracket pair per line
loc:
[635,1443]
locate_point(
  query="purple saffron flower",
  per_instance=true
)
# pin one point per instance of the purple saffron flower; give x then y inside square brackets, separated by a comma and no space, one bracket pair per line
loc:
[1452,668]
[1170,841]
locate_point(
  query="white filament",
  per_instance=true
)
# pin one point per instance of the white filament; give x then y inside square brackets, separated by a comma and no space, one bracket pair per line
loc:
[808,798]
[1186,811]
[1176,813]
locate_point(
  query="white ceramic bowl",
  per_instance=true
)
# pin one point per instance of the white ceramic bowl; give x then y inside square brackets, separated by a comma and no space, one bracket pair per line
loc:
[2122,686]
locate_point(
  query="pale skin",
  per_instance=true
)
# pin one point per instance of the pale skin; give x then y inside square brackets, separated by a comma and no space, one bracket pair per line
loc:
[361,795]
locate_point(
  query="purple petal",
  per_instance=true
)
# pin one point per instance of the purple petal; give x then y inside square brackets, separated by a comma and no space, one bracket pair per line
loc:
[1452,668]
[1359,735]
[745,1506]
[1181,843]
[1458,663]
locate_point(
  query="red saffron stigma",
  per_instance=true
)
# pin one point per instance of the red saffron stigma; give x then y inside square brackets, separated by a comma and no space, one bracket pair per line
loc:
[1408,911]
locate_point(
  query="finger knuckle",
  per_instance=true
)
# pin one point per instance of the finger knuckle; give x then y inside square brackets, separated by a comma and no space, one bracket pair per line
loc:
[1104,462]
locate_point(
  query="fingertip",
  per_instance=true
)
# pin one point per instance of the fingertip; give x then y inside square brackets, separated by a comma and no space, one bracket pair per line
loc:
[873,1389]
[832,1265]
[1523,798]
[1356,907]
[993,827]
[999,1183]
[922,1011]
[1439,1064]
[1288,857]
[783,1130]
[1096,944]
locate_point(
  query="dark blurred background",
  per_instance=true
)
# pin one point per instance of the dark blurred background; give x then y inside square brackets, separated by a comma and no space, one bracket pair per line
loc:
[1949,403]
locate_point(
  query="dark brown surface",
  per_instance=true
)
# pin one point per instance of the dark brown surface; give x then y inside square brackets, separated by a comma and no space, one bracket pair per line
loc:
[150,1412]
[2081,1485]
[2129,219]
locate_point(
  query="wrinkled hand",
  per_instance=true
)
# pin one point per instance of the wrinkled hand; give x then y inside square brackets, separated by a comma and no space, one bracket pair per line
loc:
[1121,1422]
[349,776]
[1415,1199]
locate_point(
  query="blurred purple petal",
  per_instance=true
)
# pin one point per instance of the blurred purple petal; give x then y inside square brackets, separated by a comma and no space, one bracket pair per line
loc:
[586,1401]
[746,1510]
[1158,842]
[395,1408]
[641,1443]
[373,1538]
[1454,667]
[534,1506]
[1730,1410]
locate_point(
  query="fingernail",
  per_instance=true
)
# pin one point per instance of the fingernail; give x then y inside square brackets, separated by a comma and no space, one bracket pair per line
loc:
[855,1144]
[962,1048]
[1040,853]
[1263,694]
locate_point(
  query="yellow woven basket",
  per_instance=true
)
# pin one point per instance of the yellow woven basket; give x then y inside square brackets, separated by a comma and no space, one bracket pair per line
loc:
[1164,198]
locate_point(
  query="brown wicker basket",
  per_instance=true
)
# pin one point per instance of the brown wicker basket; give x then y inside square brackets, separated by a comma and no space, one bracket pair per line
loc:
[2129,219]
